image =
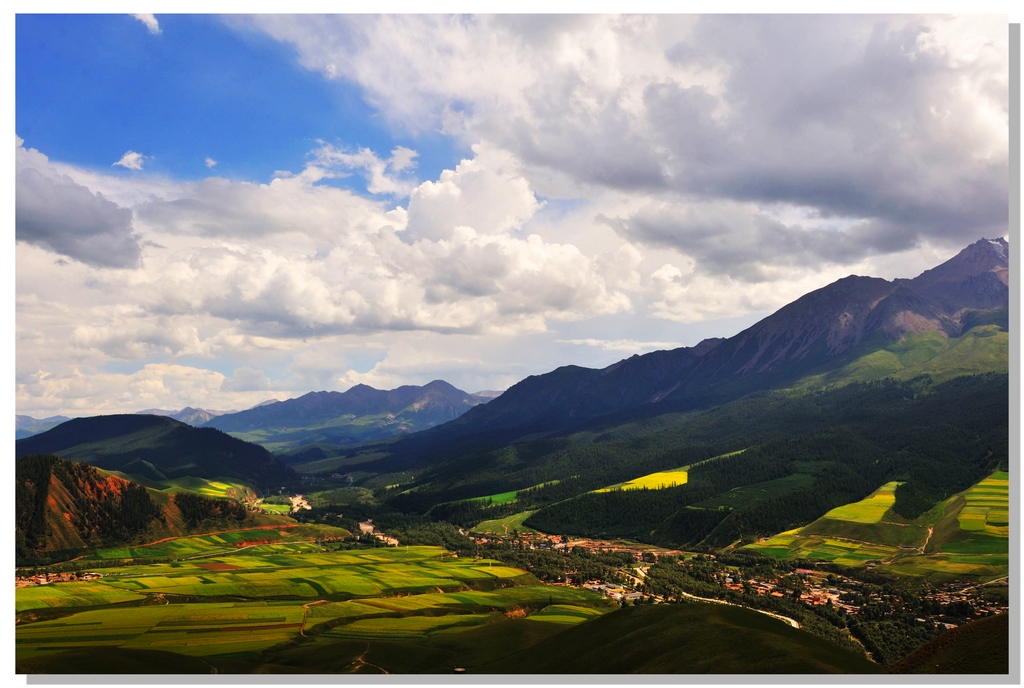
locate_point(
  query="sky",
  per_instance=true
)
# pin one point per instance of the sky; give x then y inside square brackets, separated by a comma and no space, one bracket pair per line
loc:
[213,211]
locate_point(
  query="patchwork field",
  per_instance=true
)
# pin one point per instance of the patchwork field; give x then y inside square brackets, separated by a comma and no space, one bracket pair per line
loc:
[988,507]
[965,536]
[232,606]
[223,542]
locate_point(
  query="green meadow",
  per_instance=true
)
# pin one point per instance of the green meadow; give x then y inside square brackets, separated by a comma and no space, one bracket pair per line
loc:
[230,607]
[224,542]
[505,526]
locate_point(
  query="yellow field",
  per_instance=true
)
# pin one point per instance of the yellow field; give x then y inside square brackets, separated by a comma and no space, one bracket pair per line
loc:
[871,509]
[988,505]
[652,481]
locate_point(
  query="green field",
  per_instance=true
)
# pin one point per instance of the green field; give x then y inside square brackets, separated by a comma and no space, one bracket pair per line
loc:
[505,526]
[963,537]
[220,542]
[871,509]
[988,506]
[266,597]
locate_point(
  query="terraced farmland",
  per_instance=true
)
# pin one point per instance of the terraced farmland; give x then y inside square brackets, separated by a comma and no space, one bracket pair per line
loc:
[235,605]
[966,536]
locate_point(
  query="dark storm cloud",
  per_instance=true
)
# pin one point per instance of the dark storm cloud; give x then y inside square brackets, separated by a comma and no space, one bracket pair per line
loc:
[54,212]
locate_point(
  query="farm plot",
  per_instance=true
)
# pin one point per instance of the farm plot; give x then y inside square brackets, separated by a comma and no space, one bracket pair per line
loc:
[652,481]
[227,541]
[871,509]
[409,593]
[191,629]
[987,509]
[72,594]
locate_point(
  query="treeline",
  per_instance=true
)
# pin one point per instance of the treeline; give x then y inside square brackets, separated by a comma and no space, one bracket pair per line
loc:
[91,509]
[196,510]
[939,439]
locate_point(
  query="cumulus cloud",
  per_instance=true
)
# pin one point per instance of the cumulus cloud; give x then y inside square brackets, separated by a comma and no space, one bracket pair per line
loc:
[246,380]
[53,211]
[383,176]
[150,21]
[210,162]
[900,122]
[131,160]
[487,193]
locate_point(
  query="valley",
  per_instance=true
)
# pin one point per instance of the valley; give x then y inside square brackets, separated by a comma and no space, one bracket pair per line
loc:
[842,488]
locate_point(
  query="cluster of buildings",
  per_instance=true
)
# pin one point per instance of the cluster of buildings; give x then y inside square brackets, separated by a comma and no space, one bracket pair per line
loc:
[616,592]
[46,578]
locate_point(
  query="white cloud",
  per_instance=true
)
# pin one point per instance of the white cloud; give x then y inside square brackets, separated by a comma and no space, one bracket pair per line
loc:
[624,345]
[210,162]
[150,21]
[900,122]
[55,212]
[131,160]
[382,176]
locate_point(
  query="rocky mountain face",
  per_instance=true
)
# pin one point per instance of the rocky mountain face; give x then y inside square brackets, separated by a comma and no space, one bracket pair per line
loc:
[192,416]
[798,338]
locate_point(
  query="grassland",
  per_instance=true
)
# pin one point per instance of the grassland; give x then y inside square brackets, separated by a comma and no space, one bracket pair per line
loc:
[223,542]
[224,608]
[985,347]
[505,526]
[965,536]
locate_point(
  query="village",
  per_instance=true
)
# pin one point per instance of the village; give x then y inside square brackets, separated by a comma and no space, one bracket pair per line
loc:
[812,587]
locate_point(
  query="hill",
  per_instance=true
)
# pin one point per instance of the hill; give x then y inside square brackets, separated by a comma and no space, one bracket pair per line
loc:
[683,639]
[157,448]
[980,647]
[63,507]
[342,418]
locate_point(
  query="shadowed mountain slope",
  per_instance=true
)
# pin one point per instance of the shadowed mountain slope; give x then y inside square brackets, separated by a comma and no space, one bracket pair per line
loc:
[156,447]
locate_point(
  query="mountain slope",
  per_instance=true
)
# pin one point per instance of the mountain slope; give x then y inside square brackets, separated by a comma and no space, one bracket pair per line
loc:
[359,414]
[683,639]
[156,447]
[63,507]
[828,327]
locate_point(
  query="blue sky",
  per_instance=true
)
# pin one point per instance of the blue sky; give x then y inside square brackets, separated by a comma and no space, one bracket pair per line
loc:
[213,211]
[91,87]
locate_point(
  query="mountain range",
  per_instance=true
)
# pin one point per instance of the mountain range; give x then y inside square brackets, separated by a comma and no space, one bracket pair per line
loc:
[816,333]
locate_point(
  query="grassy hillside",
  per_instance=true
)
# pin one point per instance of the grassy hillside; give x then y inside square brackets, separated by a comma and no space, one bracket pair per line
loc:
[683,639]
[980,647]
[965,535]
[157,448]
[64,508]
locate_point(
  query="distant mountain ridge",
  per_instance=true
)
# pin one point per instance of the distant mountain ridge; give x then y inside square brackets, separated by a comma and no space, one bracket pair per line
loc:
[26,426]
[358,414]
[193,416]
[799,338]
[156,447]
